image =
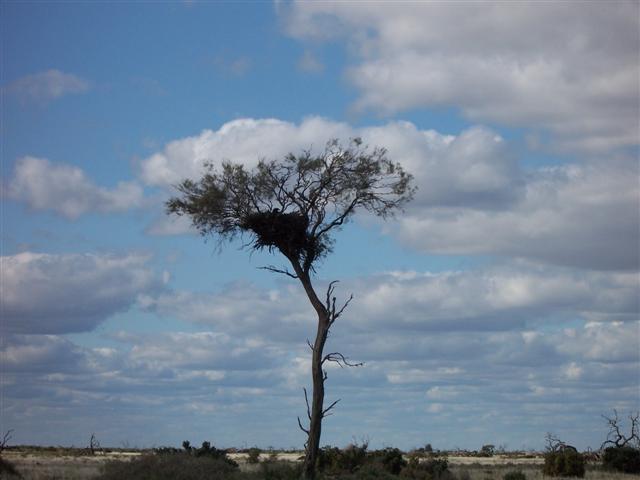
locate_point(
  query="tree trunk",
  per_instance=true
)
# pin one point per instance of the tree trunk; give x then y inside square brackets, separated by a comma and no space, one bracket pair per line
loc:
[317,401]
[317,396]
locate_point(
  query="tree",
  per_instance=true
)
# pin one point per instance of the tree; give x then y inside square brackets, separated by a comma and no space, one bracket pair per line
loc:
[294,206]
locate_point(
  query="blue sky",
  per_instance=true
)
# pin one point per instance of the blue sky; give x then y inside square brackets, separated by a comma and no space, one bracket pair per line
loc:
[503,304]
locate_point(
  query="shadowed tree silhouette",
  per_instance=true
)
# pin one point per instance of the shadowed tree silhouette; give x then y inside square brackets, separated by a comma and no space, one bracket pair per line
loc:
[294,206]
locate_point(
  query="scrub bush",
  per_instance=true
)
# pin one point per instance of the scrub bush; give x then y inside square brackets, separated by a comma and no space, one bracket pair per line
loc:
[564,462]
[622,459]
[432,469]
[253,455]
[178,466]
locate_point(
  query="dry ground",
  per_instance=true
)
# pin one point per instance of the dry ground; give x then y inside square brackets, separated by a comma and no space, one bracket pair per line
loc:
[63,465]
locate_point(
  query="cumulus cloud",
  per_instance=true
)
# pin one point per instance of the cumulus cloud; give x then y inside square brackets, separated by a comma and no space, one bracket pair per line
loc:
[240,309]
[47,86]
[66,190]
[582,215]
[550,66]
[496,299]
[473,197]
[474,168]
[46,293]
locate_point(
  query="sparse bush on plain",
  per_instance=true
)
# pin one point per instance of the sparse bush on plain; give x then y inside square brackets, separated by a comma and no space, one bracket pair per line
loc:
[334,460]
[177,466]
[564,462]
[253,455]
[622,459]
[432,469]
[487,451]
[391,459]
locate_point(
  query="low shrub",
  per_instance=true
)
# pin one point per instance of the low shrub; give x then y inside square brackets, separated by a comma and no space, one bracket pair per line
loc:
[622,459]
[369,471]
[253,455]
[564,462]
[516,475]
[432,469]
[390,458]
[347,460]
[277,470]
[179,466]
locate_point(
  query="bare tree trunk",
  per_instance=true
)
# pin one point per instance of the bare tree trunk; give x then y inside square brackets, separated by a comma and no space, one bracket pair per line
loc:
[315,411]
[317,401]
[327,315]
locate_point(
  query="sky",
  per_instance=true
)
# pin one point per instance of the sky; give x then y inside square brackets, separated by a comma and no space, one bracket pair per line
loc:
[502,304]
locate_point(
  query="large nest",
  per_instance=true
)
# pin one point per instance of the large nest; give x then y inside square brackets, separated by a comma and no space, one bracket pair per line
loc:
[285,231]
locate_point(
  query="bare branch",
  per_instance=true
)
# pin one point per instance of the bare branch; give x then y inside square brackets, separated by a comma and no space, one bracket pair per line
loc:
[325,412]
[335,315]
[340,359]
[284,271]
[301,427]
[615,437]
[306,400]
[5,439]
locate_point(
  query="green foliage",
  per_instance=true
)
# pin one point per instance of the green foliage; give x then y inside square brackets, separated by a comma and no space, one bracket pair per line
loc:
[515,475]
[563,462]
[306,197]
[622,459]
[177,466]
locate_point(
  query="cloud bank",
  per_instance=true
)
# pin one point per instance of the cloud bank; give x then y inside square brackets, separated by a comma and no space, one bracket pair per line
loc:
[69,293]
[571,70]
[66,190]
[473,195]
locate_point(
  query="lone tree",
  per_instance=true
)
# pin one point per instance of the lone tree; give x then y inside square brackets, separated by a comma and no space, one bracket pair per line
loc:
[294,206]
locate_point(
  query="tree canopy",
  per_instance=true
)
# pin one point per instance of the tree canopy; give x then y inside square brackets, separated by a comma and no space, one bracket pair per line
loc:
[294,205]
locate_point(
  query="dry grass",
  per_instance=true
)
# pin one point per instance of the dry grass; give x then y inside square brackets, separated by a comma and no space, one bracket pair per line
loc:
[51,464]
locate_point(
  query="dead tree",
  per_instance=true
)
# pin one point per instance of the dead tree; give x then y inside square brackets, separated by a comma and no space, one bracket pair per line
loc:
[94,444]
[615,437]
[5,440]
[294,206]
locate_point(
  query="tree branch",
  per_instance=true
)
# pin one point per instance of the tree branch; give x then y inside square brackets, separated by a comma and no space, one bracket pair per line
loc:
[306,399]
[284,271]
[301,427]
[325,412]
[340,359]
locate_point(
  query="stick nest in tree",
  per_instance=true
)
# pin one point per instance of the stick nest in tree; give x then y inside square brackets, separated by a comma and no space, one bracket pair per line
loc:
[285,231]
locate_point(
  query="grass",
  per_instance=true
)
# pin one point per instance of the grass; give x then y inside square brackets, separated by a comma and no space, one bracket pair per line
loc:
[64,464]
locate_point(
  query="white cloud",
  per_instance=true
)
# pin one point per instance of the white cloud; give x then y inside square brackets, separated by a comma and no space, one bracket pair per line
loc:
[66,190]
[578,215]
[47,86]
[570,69]
[473,197]
[45,293]
[309,63]
[495,299]
[240,309]
[474,168]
